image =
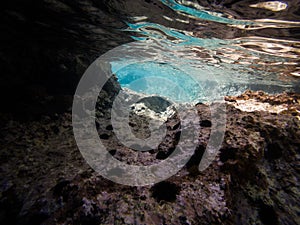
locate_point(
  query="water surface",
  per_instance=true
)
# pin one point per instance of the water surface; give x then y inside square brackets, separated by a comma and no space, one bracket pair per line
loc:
[201,45]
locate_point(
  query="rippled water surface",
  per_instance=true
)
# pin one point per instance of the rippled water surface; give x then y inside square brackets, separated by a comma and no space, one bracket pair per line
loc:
[225,45]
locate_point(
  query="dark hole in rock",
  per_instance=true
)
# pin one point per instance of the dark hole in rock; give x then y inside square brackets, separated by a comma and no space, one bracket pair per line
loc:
[113,152]
[163,154]
[196,157]
[177,135]
[131,124]
[205,123]
[273,151]
[226,154]
[143,197]
[109,127]
[268,215]
[183,220]
[152,151]
[104,136]
[97,125]
[166,191]
[58,188]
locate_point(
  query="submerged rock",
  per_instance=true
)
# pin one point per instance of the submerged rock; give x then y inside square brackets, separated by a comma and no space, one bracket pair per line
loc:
[253,180]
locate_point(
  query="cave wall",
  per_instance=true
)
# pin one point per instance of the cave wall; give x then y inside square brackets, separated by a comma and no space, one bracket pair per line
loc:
[46,47]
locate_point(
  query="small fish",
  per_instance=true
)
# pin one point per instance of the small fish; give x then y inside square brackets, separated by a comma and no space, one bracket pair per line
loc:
[274,6]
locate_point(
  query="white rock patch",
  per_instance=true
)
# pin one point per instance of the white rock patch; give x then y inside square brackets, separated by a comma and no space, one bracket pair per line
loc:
[252,105]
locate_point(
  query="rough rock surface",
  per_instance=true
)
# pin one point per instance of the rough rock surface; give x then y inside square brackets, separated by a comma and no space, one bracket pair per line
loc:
[253,180]
[46,45]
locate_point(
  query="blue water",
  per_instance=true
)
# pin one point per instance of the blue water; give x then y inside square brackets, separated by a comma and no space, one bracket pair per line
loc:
[202,14]
[160,79]
[200,54]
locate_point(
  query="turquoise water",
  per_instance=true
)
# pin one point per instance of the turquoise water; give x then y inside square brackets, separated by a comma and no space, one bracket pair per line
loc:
[201,52]
[202,14]
[160,79]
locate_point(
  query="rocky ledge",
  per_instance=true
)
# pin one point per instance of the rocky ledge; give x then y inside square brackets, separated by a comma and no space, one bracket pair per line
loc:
[253,179]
